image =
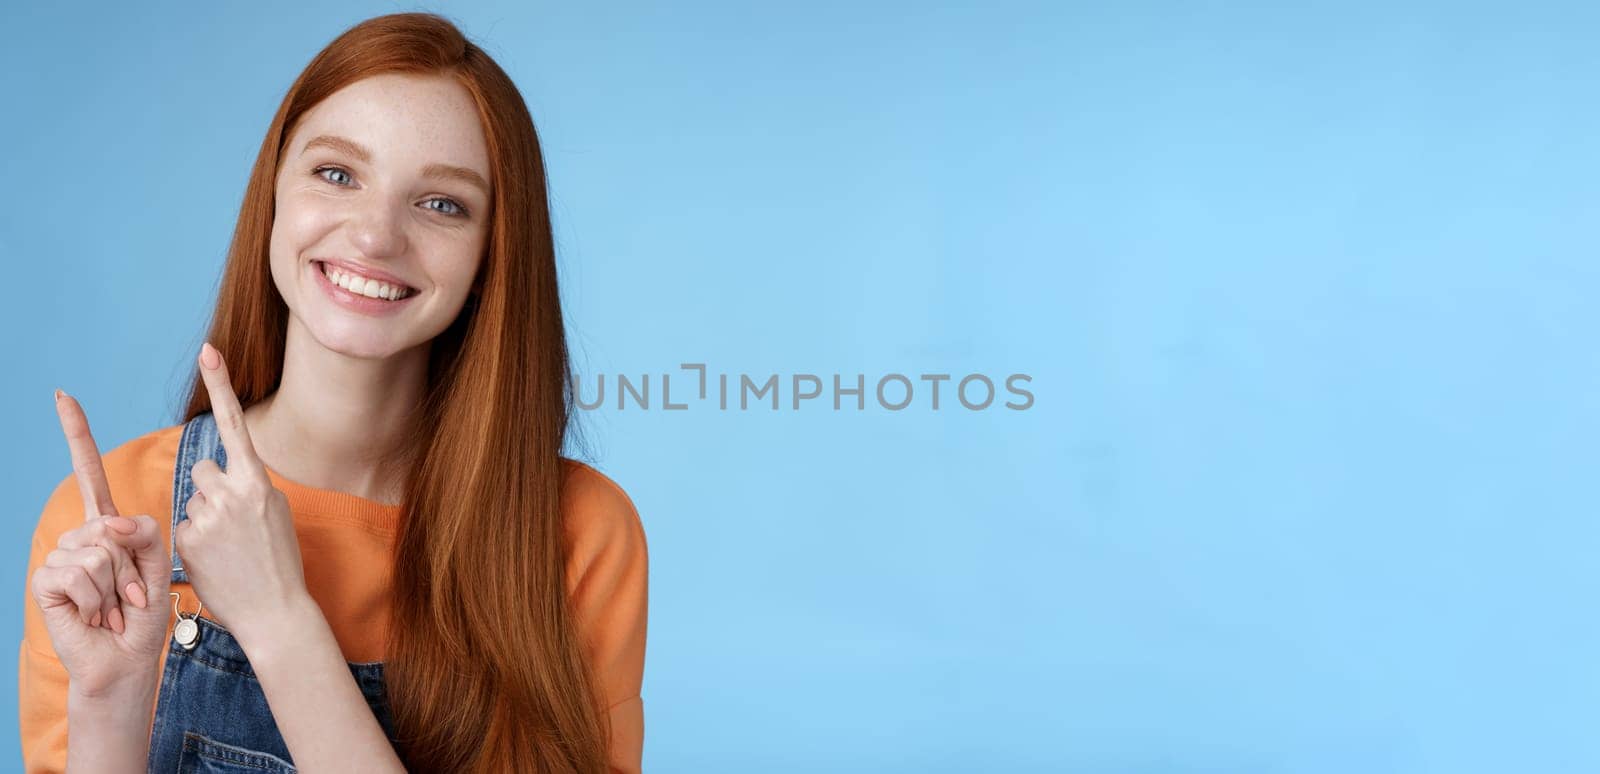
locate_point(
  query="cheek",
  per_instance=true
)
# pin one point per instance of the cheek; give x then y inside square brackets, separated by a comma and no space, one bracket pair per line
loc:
[296,226]
[454,264]
[298,221]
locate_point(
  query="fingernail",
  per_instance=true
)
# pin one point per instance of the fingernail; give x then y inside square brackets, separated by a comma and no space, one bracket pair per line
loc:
[115,617]
[59,394]
[122,524]
[208,355]
[136,595]
[95,621]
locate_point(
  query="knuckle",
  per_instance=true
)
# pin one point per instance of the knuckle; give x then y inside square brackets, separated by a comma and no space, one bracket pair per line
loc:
[42,581]
[80,536]
[78,580]
[97,560]
[185,537]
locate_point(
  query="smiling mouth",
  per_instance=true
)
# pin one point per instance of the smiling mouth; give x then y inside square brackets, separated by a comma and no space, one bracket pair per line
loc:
[365,286]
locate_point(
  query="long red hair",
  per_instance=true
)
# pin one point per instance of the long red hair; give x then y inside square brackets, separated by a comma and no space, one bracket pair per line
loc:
[479,549]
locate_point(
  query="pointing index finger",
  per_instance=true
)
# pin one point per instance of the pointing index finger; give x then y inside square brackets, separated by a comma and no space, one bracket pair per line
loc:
[225,408]
[86,465]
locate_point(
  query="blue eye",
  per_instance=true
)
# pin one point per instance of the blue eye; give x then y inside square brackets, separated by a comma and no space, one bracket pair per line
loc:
[454,207]
[319,170]
[451,206]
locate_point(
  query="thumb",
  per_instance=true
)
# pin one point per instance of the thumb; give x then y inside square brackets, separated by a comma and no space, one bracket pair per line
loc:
[150,556]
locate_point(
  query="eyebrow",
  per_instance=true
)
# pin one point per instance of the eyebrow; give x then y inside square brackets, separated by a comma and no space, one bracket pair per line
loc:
[350,147]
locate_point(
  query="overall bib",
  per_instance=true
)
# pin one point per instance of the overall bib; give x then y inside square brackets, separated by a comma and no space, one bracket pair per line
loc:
[211,715]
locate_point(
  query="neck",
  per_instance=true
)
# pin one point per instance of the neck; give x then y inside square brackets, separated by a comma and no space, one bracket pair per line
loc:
[334,417]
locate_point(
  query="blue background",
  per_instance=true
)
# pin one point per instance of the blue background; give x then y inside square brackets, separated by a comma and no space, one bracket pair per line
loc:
[1306,296]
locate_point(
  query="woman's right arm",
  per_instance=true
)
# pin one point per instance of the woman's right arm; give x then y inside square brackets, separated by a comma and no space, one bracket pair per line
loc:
[43,684]
[108,710]
[93,636]
[110,732]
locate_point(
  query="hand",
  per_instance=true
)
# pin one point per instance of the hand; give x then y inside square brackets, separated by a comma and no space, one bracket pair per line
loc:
[238,545]
[102,592]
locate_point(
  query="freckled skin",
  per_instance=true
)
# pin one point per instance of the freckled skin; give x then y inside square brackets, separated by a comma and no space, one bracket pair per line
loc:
[382,213]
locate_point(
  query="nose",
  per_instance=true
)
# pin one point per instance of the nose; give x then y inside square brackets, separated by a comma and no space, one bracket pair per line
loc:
[377,229]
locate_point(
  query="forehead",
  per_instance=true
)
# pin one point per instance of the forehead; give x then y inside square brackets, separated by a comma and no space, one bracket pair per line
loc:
[403,119]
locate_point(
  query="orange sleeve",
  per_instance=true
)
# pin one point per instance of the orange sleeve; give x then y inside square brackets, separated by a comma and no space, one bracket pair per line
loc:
[41,679]
[607,580]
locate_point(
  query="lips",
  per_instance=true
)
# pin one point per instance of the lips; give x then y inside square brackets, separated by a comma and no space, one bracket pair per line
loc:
[362,271]
[357,302]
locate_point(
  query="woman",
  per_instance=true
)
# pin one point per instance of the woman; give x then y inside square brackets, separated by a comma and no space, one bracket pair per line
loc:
[375,557]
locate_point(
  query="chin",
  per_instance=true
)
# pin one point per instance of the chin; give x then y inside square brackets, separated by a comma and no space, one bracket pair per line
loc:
[358,341]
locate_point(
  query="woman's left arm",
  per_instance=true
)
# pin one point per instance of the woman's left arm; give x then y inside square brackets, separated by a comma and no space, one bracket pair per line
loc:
[242,555]
[321,714]
[608,580]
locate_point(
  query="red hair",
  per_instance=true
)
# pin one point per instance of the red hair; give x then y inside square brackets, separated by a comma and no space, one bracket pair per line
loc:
[480,548]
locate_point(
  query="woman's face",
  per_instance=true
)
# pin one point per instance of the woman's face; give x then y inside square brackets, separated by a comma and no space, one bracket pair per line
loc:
[382,213]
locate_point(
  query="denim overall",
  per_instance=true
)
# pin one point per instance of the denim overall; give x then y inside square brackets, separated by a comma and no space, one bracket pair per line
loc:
[211,715]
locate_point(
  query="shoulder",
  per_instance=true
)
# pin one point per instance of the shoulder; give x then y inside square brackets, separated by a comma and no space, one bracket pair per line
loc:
[601,522]
[591,499]
[608,580]
[139,473]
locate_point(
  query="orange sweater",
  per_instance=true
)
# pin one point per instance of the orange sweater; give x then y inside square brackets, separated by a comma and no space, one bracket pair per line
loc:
[345,543]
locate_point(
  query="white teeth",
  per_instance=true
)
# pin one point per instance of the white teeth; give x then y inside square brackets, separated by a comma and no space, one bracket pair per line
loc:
[364,286]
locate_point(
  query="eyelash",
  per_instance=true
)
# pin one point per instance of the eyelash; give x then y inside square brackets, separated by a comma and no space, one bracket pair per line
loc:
[461,209]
